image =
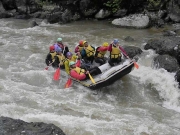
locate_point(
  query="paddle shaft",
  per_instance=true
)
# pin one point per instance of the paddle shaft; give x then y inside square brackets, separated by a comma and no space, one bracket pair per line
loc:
[123,51]
[49,65]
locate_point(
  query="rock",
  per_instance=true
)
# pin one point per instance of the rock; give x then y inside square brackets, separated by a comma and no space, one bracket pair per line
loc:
[128,38]
[9,126]
[120,13]
[6,15]
[169,33]
[132,21]
[132,51]
[88,8]
[54,17]
[174,10]
[167,62]
[33,23]
[177,77]
[163,45]
[102,14]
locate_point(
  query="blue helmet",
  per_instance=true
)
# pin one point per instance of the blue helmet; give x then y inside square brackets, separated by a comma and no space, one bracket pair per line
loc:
[58,49]
[69,54]
[116,41]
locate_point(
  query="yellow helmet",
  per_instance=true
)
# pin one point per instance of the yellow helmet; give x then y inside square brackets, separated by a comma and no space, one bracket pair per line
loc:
[105,44]
[84,42]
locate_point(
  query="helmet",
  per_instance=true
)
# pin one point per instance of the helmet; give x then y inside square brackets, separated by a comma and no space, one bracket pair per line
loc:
[84,42]
[105,44]
[58,49]
[51,48]
[69,54]
[59,40]
[71,63]
[116,41]
[81,42]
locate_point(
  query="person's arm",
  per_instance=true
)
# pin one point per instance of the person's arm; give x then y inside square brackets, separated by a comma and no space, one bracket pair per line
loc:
[78,63]
[102,48]
[123,51]
[78,54]
[110,48]
[76,49]
[48,59]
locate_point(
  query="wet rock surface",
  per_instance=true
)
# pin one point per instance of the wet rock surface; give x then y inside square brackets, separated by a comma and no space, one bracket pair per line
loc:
[9,126]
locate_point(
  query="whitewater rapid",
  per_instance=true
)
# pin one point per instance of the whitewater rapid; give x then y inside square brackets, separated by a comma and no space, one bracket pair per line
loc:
[146,101]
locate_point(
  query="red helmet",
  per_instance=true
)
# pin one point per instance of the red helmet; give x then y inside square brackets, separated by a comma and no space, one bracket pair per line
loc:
[51,48]
[81,42]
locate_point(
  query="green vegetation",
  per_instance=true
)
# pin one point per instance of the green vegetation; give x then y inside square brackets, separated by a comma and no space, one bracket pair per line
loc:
[113,5]
[156,4]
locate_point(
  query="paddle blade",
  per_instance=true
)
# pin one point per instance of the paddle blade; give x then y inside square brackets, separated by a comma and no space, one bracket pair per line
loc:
[136,65]
[92,79]
[57,74]
[68,83]
[47,68]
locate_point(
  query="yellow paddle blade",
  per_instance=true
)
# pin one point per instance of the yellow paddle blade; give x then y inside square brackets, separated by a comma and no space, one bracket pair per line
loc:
[91,79]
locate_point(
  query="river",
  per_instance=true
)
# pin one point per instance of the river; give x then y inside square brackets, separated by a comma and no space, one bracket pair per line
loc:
[144,102]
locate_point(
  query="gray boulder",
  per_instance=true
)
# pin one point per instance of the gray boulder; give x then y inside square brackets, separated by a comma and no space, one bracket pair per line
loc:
[132,21]
[132,51]
[9,126]
[167,62]
[102,14]
[163,45]
[174,10]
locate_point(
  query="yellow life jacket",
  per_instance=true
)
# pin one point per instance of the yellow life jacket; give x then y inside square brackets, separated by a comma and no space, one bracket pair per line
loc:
[101,54]
[80,48]
[79,70]
[115,53]
[67,61]
[62,59]
[89,51]
[52,55]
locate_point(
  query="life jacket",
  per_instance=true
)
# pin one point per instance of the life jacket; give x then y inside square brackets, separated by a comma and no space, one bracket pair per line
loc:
[115,53]
[100,54]
[79,70]
[89,51]
[52,55]
[61,45]
[73,58]
[67,61]
[80,48]
[61,58]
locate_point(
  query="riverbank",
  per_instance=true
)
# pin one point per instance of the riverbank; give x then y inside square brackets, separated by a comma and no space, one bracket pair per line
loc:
[135,14]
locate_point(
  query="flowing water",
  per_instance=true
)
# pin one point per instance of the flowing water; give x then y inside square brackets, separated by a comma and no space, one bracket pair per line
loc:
[144,102]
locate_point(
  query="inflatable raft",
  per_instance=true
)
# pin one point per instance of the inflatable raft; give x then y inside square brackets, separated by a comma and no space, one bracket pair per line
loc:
[109,74]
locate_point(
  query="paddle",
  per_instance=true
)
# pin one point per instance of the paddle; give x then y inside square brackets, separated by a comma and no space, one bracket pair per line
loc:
[123,51]
[68,83]
[92,80]
[48,66]
[88,73]
[57,74]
